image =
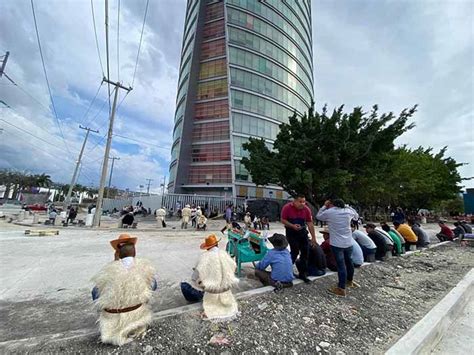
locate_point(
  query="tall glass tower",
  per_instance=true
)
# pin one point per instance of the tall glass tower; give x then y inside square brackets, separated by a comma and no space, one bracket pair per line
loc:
[246,66]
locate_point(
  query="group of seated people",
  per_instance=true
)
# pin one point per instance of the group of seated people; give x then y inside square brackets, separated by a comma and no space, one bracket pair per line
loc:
[257,223]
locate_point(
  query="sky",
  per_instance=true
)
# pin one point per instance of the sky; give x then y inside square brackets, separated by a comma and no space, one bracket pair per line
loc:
[393,53]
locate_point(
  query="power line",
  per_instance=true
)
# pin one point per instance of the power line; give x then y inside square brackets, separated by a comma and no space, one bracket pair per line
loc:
[36,126]
[107,45]
[31,134]
[24,91]
[92,102]
[141,142]
[140,44]
[96,40]
[46,76]
[118,40]
[97,114]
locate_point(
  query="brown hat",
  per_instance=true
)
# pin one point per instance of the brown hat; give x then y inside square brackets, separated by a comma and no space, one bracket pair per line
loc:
[123,239]
[209,242]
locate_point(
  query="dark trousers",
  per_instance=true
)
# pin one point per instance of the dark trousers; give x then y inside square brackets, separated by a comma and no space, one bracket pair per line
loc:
[299,245]
[366,251]
[443,237]
[345,267]
[190,293]
[266,279]
[407,245]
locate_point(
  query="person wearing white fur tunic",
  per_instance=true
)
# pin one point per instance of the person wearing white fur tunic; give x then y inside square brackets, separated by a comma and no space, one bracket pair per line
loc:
[122,292]
[215,276]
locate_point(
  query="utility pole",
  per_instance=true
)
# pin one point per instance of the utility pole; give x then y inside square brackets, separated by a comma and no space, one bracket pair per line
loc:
[78,163]
[4,63]
[148,186]
[98,208]
[111,171]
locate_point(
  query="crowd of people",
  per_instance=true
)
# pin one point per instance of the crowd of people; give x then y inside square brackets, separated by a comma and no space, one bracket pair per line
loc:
[124,287]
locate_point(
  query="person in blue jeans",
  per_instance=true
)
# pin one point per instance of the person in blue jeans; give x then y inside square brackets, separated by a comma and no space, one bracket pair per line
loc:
[339,217]
[279,259]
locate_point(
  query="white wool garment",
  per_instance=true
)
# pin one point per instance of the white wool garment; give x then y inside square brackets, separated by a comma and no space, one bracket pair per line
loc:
[216,277]
[119,288]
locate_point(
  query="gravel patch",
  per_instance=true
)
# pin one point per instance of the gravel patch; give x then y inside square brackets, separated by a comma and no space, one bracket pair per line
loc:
[393,296]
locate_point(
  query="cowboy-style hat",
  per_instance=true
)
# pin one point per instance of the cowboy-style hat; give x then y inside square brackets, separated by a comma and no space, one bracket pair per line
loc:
[324,231]
[209,242]
[123,239]
[278,241]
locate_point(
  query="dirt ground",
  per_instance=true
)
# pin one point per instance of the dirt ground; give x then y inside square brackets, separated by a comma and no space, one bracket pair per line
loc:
[393,296]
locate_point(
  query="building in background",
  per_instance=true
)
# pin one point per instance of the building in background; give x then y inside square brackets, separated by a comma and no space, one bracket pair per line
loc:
[246,66]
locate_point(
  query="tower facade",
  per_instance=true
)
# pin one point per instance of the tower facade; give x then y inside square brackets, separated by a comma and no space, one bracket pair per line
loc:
[246,66]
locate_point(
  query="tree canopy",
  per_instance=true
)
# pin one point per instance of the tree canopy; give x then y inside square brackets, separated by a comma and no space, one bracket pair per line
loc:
[353,156]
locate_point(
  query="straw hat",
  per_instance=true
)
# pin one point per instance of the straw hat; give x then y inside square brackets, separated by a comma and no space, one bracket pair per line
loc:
[209,242]
[123,239]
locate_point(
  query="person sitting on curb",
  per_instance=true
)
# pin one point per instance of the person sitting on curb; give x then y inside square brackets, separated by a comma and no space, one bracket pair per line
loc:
[122,292]
[366,244]
[397,244]
[423,237]
[127,220]
[279,259]
[467,228]
[458,231]
[407,233]
[201,223]
[316,261]
[380,241]
[445,233]
[357,254]
[213,279]
[326,247]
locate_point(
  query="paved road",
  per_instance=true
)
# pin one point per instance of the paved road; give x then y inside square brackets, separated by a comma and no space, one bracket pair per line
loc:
[45,279]
[458,340]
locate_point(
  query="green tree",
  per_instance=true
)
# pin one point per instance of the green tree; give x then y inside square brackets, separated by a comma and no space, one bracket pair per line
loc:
[324,155]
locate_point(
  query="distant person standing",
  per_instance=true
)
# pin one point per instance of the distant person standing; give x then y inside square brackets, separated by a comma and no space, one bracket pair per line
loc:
[297,219]
[339,217]
[185,216]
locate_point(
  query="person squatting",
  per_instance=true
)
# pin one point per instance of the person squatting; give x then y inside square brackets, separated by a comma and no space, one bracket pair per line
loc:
[124,287]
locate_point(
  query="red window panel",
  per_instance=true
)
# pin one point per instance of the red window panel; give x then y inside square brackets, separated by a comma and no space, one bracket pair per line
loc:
[211,131]
[213,49]
[210,152]
[213,30]
[214,11]
[210,174]
[211,110]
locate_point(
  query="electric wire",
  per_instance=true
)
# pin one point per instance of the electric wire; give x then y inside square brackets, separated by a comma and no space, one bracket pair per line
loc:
[96,40]
[47,80]
[140,44]
[118,41]
[92,102]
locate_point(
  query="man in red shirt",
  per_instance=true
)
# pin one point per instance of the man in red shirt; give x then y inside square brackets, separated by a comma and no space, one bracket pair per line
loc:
[445,233]
[297,219]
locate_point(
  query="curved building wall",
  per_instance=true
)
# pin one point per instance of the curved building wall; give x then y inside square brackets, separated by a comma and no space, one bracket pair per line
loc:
[255,69]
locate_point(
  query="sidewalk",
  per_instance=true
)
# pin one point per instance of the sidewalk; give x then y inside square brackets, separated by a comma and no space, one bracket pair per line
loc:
[459,340]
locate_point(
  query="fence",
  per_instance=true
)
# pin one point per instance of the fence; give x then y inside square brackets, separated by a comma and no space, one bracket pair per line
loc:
[171,202]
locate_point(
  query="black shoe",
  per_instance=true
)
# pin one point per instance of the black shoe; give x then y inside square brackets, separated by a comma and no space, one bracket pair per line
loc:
[304,278]
[278,287]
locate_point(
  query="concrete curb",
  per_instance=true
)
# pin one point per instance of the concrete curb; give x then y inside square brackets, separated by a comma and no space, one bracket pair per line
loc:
[17,344]
[425,334]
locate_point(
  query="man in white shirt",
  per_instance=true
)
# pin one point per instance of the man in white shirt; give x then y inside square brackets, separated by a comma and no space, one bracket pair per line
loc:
[339,217]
